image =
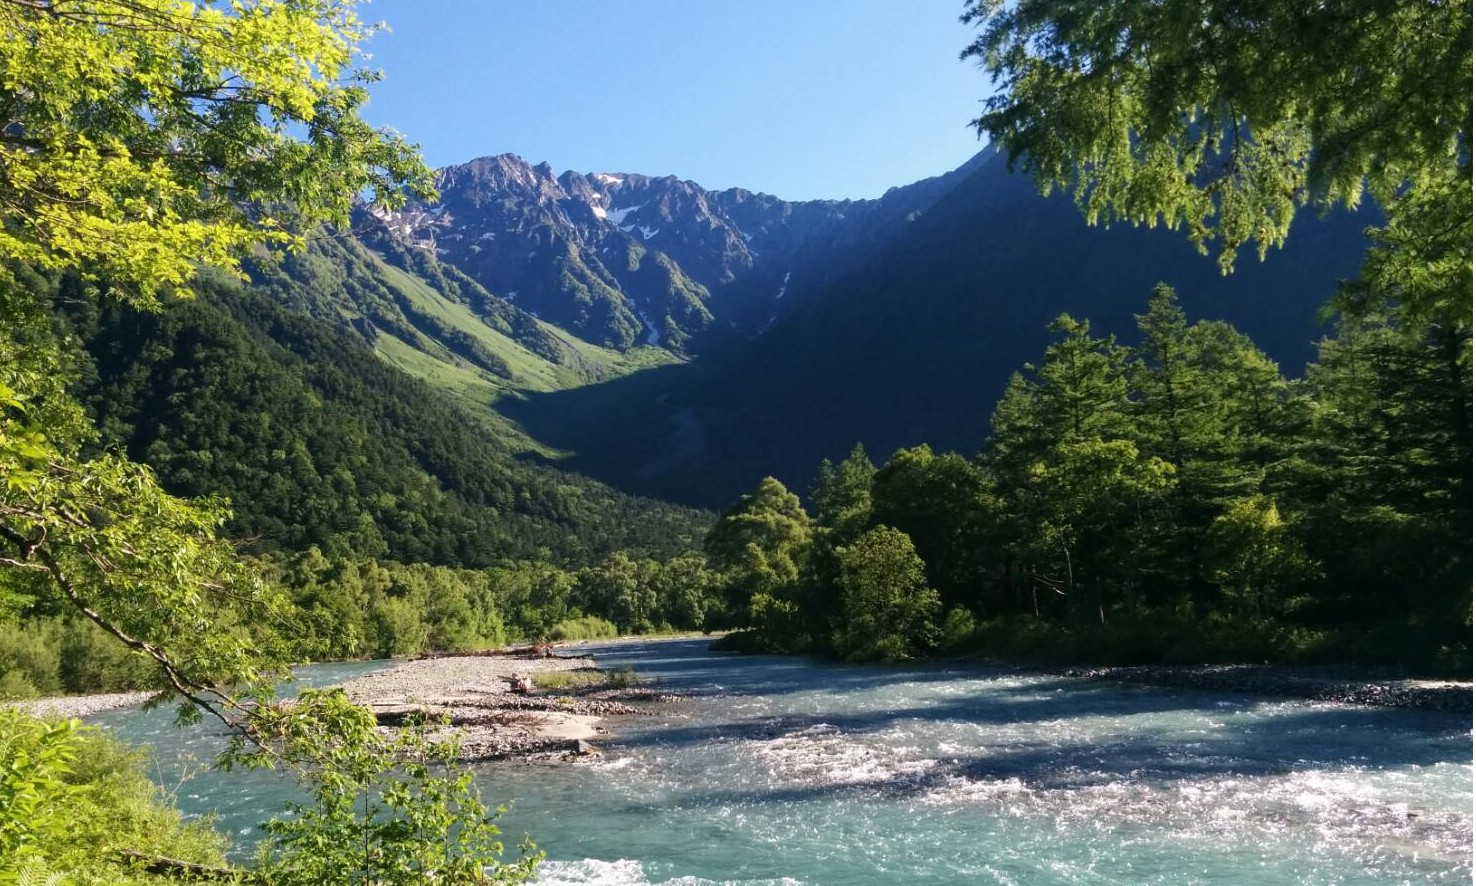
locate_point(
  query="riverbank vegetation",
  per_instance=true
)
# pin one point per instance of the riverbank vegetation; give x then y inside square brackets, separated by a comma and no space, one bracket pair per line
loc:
[1177,499]
[76,801]
[339,609]
[143,140]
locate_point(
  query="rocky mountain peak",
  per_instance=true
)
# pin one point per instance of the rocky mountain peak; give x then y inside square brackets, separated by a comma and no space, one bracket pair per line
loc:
[625,259]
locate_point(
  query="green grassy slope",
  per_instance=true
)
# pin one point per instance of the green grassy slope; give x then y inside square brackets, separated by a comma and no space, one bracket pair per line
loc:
[439,326]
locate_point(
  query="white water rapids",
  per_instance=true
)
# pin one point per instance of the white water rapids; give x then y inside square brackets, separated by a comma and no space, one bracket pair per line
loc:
[792,771]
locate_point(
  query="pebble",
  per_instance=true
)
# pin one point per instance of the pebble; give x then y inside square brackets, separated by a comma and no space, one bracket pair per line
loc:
[492,707]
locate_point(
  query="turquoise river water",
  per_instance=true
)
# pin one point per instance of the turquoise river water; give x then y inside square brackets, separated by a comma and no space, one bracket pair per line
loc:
[793,771]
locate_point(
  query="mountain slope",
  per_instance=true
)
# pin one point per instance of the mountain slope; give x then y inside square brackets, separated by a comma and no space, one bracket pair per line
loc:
[914,342]
[800,328]
[624,259]
[317,440]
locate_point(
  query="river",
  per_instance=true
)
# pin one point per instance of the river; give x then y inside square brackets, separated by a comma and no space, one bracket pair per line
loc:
[793,771]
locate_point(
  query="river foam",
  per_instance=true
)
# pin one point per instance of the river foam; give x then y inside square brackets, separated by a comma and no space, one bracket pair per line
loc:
[627,872]
[793,771]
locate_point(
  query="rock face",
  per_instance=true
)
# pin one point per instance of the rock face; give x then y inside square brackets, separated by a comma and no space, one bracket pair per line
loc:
[626,260]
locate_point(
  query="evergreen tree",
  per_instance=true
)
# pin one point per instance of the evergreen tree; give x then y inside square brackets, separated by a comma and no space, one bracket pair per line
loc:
[1081,494]
[1384,482]
[1254,558]
[1216,410]
[842,496]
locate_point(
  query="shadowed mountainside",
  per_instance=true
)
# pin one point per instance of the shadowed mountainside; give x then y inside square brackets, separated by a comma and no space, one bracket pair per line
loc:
[914,343]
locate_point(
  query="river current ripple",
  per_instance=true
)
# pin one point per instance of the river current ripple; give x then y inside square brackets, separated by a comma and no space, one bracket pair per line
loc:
[793,771]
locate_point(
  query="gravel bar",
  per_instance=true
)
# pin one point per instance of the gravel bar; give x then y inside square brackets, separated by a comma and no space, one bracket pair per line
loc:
[1316,684]
[65,707]
[493,707]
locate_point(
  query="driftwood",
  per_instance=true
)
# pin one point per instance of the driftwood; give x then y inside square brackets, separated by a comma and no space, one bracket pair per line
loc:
[184,870]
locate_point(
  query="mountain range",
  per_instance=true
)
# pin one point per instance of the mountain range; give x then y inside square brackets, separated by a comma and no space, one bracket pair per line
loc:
[623,259]
[798,329]
[538,354]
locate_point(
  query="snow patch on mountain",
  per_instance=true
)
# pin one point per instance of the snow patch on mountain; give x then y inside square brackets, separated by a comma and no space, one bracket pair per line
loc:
[617,216]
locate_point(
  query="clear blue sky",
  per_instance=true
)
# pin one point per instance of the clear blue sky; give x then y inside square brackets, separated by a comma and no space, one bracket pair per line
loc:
[798,98]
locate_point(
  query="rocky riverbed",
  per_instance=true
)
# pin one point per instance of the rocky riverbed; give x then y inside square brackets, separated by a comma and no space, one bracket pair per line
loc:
[493,702]
[64,707]
[494,705]
[1317,684]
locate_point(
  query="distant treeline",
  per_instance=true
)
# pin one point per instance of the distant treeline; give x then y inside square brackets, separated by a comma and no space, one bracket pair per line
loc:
[1176,500]
[341,608]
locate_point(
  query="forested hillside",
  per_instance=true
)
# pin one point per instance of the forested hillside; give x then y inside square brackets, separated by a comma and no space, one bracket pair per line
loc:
[315,441]
[396,515]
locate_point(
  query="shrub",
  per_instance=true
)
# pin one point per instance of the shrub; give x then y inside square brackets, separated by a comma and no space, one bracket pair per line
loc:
[384,809]
[93,661]
[584,628]
[587,677]
[71,798]
[49,656]
[959,628]
[30,659]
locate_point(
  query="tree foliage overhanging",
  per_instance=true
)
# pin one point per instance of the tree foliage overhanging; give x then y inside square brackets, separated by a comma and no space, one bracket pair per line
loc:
[142,139]
[1225,118]
[146,137]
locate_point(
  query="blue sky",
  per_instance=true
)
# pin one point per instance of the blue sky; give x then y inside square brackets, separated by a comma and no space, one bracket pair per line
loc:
[799,98]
